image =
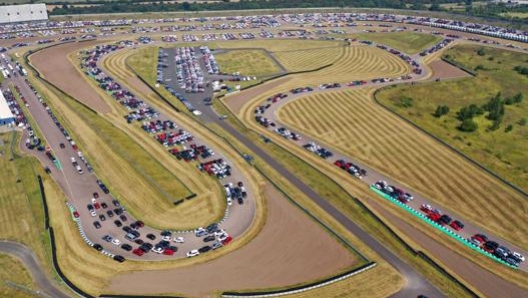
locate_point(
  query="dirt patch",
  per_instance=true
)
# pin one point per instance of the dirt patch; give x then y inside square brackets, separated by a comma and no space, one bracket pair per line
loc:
[489,284]
[291,249]
[54,65]
[444,70]
[237,101]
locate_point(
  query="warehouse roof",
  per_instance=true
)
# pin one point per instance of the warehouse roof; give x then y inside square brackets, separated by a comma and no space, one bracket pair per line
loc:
[5,112]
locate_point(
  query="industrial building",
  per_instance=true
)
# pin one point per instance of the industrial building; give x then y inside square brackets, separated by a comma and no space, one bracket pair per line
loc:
[23,13]
[6,117]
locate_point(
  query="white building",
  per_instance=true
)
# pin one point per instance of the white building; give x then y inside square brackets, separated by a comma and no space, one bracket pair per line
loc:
[6,117]
[23,13]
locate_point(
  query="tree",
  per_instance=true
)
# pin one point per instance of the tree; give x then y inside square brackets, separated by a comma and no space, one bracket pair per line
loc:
[481,52]
[186,5]
[440,111]
[509,128]
[522,122]
[468,125]
[435,7]
[469,112]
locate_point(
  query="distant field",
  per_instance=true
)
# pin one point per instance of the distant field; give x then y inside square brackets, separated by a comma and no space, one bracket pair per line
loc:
[247,62]
[504,152]
[353,123]
[408,42]
[521,15]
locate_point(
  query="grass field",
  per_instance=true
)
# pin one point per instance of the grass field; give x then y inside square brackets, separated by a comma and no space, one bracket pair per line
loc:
[247,62]
[14,272]
[503,152]
[352,63]
[520,15]
[382,140]
[21,211]
[308,59]
[407,42]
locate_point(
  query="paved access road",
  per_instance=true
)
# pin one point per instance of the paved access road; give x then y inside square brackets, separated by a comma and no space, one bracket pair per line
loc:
[26,255]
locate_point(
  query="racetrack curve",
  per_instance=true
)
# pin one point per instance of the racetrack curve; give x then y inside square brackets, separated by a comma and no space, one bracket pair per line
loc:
[26,256]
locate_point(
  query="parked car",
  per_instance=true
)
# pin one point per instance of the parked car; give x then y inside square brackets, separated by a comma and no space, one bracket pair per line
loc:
[102,217]
[118,223]
[97,225]
[457,225]
[126,247]
[151,236]
[204,249]
[209,238]
[193,253]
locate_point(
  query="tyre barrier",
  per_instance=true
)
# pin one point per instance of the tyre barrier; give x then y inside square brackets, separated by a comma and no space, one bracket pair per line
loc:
[304,288]
[440,227]
[55,262]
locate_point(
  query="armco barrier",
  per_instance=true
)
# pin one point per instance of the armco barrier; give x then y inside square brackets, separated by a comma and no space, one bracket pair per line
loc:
[474,162]
[439,227]
[55,262]
[303,288]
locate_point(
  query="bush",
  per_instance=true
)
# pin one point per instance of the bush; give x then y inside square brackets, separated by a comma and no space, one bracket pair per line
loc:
[522,122]
[440,111]
[521,70]
[469,112]
[468,125]
[509,128]
[481,52]
[405,102]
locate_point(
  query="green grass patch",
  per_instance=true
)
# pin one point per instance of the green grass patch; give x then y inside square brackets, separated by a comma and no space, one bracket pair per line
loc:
[502,150]
[247,62]
[407,42]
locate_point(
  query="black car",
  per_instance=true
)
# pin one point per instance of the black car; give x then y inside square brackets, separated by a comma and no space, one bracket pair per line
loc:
[102,217]
[118,211]
[104,205]
[204,249]
[126,247]
[151,236]
[127,229]
[97,225]
[138,241]
[173,248]
[134,225]
[123,217]
[116,203]
[110,213]
[62,145]
[212,228]
[97,247]
[166,233]
[119,258]
[164,244]
[118,223]
[240,201]
[209,238]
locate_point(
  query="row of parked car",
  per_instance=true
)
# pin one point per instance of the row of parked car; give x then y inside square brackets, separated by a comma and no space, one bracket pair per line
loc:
[210,62]
[214,234]
[188,71]
[445,220]
[351,168]
[318,150]
[437,47]
[235,192]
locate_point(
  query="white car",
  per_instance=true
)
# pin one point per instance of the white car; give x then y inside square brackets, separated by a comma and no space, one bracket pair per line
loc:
[220,232]
[229,201]
[223,237]
[92,213]
[94,200]
[116,241]
[157,249]
[193,253]
[179,240]
[518,256]
[166,238]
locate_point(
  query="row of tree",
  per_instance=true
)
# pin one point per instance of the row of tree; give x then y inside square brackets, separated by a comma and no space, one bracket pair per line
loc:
[133,5]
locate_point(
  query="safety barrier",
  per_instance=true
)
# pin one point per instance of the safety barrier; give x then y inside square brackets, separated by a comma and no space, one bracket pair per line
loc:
[55,262]
[439,227]
[304,288]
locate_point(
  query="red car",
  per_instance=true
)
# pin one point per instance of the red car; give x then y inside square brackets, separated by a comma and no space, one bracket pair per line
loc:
[168,252]
[138,252]
[227,240]
[75,214]
[97,205]
[426,208]
[140,223]
[434,216]
[480,237]
[457,225]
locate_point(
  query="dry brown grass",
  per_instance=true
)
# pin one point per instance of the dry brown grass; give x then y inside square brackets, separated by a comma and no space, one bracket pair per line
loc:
[351,122]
